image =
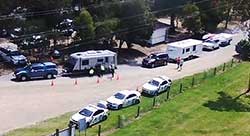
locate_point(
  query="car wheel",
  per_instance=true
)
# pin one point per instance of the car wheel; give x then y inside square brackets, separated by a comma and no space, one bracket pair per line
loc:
[91,72]
[137,101]
[156,93]
[152,65]
[165,63]
[104,117]
[50,76]
[23,78]
[119,107]
[87,124]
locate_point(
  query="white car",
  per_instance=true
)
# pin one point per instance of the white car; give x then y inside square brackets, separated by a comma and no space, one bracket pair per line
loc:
[123,99]
[157,85]
[211,44]
[92,115]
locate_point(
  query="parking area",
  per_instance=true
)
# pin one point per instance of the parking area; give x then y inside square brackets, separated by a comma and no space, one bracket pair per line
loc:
[31,99]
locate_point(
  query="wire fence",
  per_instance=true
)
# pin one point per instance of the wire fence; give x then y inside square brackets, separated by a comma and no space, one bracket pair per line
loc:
[120,119]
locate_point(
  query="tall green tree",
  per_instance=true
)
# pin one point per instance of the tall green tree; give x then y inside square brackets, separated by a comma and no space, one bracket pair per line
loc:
[86,24]
[212,13]
[191,18]
[136,23]
[171,8]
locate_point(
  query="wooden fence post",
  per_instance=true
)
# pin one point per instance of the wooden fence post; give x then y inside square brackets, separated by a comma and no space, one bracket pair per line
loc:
[99,130]
[57,132]
[181,86]
[224,67]
[138,112]
[215,71]
[193,81]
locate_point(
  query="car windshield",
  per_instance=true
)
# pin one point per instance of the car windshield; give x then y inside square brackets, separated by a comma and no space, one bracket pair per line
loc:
[154,83]
[119,96]
[86,112]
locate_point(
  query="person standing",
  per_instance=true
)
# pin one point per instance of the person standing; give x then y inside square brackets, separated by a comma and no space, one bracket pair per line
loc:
[181,64]
[112,70]
[102,70]
[178,62]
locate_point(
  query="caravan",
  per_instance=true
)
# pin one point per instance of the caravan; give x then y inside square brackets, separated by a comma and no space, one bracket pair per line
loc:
[89,60]
[185,49]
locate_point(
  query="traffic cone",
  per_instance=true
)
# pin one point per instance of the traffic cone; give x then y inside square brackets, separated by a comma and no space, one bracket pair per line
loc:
[76,83]
[52,83]
[98,80]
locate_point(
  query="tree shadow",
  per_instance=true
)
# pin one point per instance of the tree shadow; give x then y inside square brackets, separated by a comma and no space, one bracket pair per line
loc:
[227,103]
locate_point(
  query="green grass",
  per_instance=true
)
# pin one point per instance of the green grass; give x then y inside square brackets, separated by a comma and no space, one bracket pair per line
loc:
[168,117]
[209,109]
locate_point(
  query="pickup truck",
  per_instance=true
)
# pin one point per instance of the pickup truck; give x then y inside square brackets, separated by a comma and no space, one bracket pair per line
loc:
[37,70]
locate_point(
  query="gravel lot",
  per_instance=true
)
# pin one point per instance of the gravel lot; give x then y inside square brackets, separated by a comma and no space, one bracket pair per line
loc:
[24,103]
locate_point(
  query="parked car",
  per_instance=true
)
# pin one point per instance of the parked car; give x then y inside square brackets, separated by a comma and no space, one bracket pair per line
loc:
[37,70]
[92,115]
[224,38]
[211,44]
[157,85]
[11,55]
[123,99]
[155,59]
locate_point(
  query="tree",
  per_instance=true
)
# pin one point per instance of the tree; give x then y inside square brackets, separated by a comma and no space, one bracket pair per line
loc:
[242,9]
[243,48]
[191,18]
[171,8]
[86,24]
[139,22]
[212,13]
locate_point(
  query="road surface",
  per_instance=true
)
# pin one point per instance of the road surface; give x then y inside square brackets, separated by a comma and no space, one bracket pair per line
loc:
[25,103]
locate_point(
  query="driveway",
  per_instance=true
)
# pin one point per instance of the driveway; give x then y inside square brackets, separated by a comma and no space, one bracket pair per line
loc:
[25,103]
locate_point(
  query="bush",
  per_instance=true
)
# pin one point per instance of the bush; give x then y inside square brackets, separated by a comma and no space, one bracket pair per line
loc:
[243,48]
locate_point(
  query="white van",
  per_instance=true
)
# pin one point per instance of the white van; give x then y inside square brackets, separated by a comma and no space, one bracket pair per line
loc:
[185,49]
[85,61]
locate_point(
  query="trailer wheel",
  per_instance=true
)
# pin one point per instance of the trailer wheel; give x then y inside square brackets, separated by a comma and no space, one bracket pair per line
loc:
[91,72]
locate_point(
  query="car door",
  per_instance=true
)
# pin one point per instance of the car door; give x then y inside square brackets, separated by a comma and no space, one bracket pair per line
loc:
[97,117]
[163,86]
[129,100]
[37,71]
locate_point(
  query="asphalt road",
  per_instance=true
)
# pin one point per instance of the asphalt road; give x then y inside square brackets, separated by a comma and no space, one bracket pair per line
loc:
[25,103]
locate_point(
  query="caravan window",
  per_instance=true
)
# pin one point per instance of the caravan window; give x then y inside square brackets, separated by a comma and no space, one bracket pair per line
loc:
[194,48]
[99,60]
[188,49]
[183,51]
[85,62]
[106,59]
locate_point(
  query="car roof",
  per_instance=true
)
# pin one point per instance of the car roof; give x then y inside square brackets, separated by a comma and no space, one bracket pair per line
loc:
[126,92]
[48,63]
[43,64]
[158,79]
[37,65]
[91,108]
[161,78]
[159,53]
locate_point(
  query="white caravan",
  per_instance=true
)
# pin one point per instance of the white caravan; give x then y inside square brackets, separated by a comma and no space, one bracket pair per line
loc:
[85,61]
[185,49]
